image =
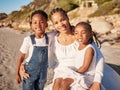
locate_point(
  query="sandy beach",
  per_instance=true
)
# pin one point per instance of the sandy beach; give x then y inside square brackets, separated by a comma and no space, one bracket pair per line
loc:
[10,42]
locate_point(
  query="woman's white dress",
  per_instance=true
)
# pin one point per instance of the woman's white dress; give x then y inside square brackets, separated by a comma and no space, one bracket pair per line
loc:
[65,56]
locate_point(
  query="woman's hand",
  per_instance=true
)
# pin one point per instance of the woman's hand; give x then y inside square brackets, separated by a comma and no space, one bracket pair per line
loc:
[23,74]
[95,86]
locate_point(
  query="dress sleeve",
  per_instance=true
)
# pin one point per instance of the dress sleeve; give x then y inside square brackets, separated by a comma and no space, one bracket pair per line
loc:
[99,65]
[25,45]
[51,55]
[99,70]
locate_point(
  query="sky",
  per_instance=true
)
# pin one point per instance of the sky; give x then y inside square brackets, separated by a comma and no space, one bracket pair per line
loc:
[7,6]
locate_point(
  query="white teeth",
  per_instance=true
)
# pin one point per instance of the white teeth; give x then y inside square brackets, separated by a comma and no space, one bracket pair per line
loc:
[63,28]
[38,29]
[79,39]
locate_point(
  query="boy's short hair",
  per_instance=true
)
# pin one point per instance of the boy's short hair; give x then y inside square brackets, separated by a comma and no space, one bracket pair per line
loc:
[41,12]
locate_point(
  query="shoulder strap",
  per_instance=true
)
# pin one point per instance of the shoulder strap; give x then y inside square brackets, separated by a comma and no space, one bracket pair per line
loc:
[32,37]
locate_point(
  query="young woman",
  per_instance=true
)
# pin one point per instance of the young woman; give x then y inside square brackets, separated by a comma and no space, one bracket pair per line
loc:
[65,47]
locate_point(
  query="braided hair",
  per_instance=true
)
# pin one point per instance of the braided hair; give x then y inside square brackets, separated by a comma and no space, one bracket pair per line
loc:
[94,38]
[58,10]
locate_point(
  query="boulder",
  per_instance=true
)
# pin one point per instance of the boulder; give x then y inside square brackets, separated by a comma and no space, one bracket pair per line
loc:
[101,26]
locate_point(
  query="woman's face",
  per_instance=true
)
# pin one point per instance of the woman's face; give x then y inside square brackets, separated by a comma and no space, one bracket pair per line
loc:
[60,22]
[39,24]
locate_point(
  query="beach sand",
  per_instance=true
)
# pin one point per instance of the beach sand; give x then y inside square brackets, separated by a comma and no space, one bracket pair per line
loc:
[10,42]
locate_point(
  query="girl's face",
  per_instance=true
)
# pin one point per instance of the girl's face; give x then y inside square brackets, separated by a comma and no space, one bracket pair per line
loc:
[82,35]
[39,24]
[60,22]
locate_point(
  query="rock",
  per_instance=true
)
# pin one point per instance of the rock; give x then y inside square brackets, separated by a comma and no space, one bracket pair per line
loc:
[101,26]
[15,25]
[106,44]
[24,25]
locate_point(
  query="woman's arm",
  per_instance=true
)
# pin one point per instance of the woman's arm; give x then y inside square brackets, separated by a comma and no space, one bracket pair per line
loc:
[95,86]
[24,49]
[99,69]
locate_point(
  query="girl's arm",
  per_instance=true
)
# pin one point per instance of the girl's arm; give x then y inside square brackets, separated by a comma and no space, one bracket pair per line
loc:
[87,60]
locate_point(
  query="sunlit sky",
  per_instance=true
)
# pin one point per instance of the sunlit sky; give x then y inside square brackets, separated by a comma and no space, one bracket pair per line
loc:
[7,6]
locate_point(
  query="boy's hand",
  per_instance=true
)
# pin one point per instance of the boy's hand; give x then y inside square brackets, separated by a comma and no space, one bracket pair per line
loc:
[23,74]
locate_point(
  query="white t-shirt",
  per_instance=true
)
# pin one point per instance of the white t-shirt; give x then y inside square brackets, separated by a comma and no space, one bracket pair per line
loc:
[27,47]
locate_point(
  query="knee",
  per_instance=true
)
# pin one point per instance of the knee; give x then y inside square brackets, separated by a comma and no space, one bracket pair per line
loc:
[58,81]
[66,83]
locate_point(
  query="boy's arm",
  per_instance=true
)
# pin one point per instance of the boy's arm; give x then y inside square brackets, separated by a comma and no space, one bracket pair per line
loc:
[19,62]
[87,60]
[22,72]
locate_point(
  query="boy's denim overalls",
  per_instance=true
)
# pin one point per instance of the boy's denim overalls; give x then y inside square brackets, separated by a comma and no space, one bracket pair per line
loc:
[37,67]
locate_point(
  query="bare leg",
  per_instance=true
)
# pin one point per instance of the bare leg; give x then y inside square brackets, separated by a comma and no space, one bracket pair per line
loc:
[66,83]
[57,83]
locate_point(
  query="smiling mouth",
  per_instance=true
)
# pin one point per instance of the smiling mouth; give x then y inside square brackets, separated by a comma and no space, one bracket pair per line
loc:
[63,28]
[38,29]
[79,39]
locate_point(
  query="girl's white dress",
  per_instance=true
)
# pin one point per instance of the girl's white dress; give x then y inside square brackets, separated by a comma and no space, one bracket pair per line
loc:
[84,80]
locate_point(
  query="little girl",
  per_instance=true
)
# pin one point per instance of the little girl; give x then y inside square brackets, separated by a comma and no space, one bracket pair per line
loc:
[36,45]
[86,55]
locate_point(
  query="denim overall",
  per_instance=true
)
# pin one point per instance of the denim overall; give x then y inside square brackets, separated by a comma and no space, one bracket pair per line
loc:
[37,67]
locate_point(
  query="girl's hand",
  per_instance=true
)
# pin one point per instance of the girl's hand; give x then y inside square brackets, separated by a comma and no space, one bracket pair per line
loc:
[95,86]
[23,74]
[77,71]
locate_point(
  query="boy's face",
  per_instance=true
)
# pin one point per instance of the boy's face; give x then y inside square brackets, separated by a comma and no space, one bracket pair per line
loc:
[39,24]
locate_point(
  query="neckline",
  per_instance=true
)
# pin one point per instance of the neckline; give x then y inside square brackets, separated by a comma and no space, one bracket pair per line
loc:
[84,48]
[64,45]
[40,38]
